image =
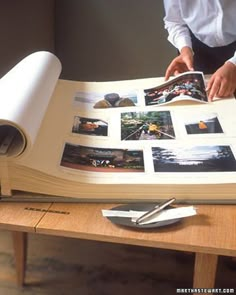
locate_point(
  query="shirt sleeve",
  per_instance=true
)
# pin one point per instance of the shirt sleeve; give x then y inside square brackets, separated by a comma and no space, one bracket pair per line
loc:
[179,34]
[233,59]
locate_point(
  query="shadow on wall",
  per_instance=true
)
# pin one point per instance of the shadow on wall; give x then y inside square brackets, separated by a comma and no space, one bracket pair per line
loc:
[111,40]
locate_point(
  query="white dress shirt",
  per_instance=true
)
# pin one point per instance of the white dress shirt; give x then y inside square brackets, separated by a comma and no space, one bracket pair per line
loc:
[213,22]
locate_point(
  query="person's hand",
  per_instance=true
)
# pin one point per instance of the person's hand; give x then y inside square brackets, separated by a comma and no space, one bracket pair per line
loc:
[181,64]
[223,82]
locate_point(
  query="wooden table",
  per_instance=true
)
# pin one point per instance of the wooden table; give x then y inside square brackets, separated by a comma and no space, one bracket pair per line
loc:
[212,232]
[15,218]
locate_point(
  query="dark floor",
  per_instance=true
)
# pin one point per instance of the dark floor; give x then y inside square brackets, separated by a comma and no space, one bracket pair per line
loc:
[64,266]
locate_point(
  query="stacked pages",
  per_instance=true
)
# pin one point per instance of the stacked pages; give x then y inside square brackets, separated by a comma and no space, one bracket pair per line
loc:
[140,139]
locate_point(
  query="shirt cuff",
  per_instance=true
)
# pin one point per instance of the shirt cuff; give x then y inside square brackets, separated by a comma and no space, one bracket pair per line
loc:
[233,59]
[183,43]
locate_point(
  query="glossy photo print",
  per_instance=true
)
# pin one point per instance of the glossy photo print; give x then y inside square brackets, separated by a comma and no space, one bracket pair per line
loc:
[200,124]
[89,126]
[155,125]
[184,87]
[216,158]
[102,159]
[106,100]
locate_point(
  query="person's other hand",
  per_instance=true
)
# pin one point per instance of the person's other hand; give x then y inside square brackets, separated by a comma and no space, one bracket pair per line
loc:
[223,82]
[181,64]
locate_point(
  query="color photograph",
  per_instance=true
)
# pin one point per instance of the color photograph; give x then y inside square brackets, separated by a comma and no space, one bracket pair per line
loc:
[102,159]
[89,126]
[199,124]
[216,158]
[107,100]
[115,100]
[155,125]
[185,86]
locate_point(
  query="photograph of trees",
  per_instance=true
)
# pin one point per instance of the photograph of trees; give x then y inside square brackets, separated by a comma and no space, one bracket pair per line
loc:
[217,158]
[147,126]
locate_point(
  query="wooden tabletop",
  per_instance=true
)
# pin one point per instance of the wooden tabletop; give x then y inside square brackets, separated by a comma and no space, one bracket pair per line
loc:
[19,216]
[212,230]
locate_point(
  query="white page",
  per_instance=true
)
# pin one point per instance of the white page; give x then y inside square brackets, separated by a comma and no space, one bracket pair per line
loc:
[25,92]
[57,130]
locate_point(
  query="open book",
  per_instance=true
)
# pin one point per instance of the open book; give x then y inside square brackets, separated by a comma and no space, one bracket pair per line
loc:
[125,140]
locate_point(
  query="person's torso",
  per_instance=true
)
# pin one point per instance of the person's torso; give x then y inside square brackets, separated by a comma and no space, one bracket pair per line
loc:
[212,21]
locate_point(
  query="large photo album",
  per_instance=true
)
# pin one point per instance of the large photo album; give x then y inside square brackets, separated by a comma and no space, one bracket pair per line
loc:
[76,138]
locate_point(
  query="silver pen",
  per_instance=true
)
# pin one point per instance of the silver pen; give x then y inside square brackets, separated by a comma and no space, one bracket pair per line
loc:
[155,210]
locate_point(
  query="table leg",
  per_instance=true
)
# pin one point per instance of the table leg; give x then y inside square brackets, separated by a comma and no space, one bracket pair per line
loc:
[20,252]
[205,270]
